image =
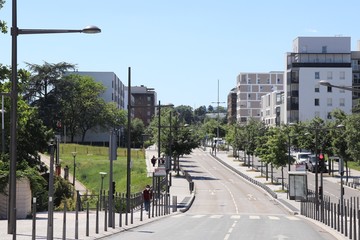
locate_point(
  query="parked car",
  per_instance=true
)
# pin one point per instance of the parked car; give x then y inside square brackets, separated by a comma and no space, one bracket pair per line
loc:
[311,164]
[301,157]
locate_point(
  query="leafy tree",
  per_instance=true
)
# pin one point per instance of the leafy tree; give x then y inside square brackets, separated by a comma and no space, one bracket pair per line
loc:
[41,89]
[3,23]
[352,136]
[82,108]
[210,109]
[199,114]
[185,113]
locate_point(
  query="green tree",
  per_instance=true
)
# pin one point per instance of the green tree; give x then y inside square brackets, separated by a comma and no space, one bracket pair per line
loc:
[82,108]
[3,25]
[199,114]
[41,89]
[185,113]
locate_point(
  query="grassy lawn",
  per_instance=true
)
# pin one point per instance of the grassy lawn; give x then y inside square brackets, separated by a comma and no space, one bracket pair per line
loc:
[354,165]
[91,160]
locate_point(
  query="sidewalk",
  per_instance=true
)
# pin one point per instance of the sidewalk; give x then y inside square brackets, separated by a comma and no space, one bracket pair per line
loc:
[179,188]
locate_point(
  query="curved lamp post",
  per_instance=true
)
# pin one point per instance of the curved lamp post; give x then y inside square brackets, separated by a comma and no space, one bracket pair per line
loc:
[348,88]
[15,31]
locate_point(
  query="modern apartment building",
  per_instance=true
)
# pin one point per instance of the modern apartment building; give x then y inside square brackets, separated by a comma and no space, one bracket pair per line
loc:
[314,59]
[272,105]
[250,88]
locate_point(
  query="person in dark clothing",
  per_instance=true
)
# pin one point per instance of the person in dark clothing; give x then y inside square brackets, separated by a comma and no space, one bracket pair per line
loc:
[147,196]
[153,161]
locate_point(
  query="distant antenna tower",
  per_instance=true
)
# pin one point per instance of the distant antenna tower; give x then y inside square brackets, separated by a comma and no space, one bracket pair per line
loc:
[218,111]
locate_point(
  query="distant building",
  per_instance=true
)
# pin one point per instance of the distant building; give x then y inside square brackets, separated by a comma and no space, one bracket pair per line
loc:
[250,88]
[144,103]
[272,105]
[231,106]
[314,59]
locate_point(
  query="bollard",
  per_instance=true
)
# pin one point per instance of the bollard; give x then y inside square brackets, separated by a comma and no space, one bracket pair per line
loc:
[120,213]
[97,218]
[87,219]
[34,219]
[77,218]
[105,220]
[174,202]
[64,221]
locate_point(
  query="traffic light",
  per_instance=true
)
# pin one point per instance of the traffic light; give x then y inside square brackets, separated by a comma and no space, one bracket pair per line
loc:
[321,162]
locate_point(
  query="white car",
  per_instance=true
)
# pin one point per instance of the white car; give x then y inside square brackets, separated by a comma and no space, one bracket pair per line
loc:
[301,157]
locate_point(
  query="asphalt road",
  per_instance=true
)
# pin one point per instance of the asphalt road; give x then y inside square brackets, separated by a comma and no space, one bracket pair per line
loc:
[226,207]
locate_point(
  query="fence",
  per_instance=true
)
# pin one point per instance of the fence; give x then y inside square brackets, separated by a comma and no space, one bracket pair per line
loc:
[345,218]
[92,212]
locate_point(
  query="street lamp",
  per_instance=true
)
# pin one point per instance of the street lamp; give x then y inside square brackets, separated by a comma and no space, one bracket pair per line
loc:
[15,31]
[348,88]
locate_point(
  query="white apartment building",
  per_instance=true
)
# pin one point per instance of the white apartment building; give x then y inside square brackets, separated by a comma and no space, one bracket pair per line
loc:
[250,87]
[314,59]
[272,105]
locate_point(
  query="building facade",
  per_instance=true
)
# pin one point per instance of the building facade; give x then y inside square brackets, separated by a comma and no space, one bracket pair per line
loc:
[314,59]
[250,88]
[272,105]
[231,106]
[144,103]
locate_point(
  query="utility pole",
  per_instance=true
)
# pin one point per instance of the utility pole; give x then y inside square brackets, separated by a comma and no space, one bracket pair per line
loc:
[218,115]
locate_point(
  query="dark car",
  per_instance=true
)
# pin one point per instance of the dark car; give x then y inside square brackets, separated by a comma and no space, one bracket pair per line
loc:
[311,164]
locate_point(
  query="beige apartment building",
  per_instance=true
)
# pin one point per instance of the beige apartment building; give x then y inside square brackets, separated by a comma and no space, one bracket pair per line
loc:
[250,87]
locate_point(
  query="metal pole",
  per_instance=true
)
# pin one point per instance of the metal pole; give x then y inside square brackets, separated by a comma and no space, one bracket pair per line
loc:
[289,161]
[316,175]
[159,127]
[50,226]
[74,170]
[128,173]
[13,125]
[111,189]
[2,126]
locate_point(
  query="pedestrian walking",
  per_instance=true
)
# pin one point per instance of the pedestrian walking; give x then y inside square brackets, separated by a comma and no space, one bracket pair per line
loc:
[153,161]
[147,196]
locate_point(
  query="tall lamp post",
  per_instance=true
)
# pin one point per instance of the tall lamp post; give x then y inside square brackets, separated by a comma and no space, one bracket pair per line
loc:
[15,31]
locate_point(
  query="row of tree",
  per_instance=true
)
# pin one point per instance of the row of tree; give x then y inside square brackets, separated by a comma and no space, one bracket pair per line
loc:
[339,137]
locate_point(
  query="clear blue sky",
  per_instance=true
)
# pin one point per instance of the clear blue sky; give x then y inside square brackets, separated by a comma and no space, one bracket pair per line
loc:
[180,48]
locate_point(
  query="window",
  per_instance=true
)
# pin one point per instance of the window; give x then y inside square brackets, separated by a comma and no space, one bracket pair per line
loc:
[268,81]
[342,75]
[317,75]
[317,88]
[249,80]
[329,75]
[329,102]
[317,114]
[278,80]
[329,115]
[342,102]
[324,49]
[329,89]
[317,102]
[258,81]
